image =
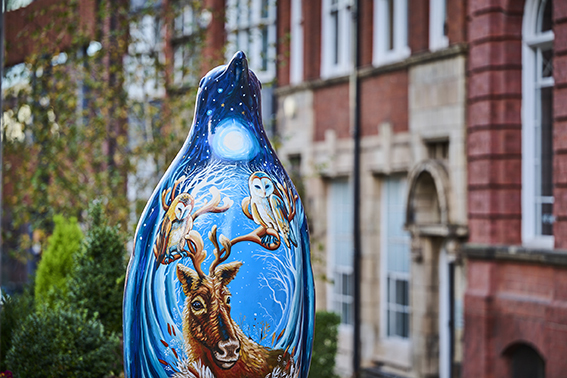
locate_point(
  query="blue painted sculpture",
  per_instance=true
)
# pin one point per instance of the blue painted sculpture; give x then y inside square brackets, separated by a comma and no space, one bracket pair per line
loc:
[220,281]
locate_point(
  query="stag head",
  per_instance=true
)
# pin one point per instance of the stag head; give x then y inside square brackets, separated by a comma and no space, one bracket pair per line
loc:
[206,316]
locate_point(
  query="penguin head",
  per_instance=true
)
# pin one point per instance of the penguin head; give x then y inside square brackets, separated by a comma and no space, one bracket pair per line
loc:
[229,91]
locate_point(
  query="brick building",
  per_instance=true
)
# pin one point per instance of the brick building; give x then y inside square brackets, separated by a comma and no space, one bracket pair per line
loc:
[515,302]
[463,267]
[462,116]
[412,78]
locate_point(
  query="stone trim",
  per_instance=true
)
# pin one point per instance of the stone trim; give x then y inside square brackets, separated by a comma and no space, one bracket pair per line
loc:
[515,253]
[365,72]
[438,173]
[376,373]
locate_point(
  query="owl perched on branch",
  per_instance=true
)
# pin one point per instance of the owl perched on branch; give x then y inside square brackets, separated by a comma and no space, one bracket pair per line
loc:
[270,206]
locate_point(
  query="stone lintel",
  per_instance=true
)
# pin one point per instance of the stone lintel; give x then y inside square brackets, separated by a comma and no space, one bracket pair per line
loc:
[515,253]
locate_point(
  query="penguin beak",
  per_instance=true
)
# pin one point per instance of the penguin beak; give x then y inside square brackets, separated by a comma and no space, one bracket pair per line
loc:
[238,66]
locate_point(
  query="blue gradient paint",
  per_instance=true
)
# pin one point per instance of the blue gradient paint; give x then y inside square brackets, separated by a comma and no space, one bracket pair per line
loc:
[272,293]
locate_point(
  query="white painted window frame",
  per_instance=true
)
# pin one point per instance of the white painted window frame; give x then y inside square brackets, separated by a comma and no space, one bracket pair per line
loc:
[250,22]
[402,342]
[437,16]
[331,251]
[530,42]
[296,53]
[344,65]
[380,53]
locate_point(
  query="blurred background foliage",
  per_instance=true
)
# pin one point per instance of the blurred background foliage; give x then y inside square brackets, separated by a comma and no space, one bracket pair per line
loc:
[325,344]
[77,332]
[57,260]
[101,119]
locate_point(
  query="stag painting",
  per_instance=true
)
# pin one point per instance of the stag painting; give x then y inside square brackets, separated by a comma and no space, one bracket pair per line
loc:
[211,335]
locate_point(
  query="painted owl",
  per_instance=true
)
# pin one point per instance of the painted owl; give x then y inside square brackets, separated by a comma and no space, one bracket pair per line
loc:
[269,206]
[175,229]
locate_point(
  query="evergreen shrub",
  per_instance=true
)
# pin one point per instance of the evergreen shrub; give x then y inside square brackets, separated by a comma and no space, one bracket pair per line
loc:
[324,345]
[62,343]
[15,308]
[97,280]
[57,261]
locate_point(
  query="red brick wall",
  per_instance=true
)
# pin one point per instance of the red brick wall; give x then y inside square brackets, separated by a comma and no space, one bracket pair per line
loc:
[456,20]
[215,38]
[560,123]
[283,44]
[312,39]
[24,22]
[494,100]
[418,25]
[366,15]
[511,302]
[331,110]
[384,98]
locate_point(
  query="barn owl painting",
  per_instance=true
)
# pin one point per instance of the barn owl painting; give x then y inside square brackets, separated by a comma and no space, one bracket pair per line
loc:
[270,208]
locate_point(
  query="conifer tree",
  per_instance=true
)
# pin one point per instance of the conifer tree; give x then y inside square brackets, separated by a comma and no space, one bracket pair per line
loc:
[97,281]
[57,261]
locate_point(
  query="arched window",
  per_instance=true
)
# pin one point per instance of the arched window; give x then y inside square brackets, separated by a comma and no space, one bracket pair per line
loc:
[525,362]
[537,124]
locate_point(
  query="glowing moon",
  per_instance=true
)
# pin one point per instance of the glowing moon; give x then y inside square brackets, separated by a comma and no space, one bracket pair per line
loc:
[233,141]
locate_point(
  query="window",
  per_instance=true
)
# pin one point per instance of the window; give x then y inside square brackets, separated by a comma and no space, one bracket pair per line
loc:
[395,260]
[188,27]
[438,150]
[296,53]
[340,247]
[336,58]
[438,25]
[390,31]
[525,362]
[537,125]
[251,27]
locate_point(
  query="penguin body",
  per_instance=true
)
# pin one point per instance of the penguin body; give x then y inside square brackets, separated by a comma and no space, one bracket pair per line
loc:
[222,284]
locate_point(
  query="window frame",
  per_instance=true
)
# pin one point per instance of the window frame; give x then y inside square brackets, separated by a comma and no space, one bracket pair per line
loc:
[296,43]
[332,266]
[385,274]
[532,42]
[187,38]
[380,54]
[437,20]
[251,25]
[342,65]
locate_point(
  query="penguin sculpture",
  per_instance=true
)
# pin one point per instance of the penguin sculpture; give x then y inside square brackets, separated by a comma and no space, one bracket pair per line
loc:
[219,283]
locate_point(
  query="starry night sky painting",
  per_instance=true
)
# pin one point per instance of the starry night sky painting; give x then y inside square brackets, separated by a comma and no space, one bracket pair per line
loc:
[220,282]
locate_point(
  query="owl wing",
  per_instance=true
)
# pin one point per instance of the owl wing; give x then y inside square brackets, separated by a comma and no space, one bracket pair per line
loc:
[280,212]
[162,241]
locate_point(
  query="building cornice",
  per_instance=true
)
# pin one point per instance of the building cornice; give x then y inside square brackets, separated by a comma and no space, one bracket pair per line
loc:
[515,253]
[370,71]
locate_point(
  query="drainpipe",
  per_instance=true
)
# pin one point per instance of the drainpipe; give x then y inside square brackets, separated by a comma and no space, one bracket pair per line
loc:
[354,96]
[451,316]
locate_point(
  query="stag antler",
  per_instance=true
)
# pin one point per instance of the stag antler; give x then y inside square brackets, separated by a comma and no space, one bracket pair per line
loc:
[172,191]
[220,254]
[196,252]
[213,206]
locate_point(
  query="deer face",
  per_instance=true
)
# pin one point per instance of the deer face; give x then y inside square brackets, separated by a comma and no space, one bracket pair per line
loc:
[206,316]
